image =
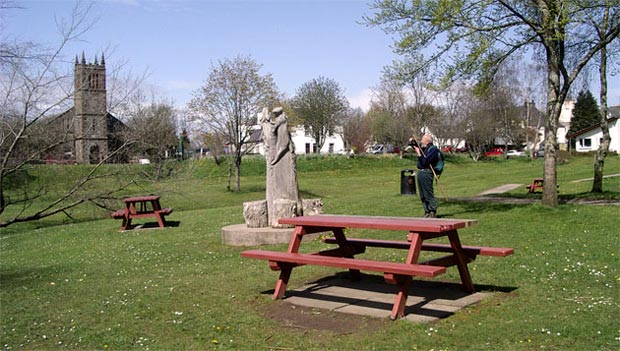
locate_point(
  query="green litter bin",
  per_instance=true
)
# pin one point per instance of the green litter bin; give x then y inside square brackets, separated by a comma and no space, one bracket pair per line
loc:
[407,182]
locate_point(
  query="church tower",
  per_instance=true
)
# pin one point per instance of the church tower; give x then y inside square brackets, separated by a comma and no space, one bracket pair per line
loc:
[90,124]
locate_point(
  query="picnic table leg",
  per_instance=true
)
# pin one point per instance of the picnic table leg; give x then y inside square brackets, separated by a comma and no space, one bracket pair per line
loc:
[286,270]
[126,218]
[342,242]
[461,264]
[285,274]
[400,302]
[403,282]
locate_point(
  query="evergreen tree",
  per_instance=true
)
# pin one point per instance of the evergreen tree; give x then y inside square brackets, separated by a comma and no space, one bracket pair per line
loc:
[586,112]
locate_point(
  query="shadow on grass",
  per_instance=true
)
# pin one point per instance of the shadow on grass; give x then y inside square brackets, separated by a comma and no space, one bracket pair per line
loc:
[153,225]
[477,206]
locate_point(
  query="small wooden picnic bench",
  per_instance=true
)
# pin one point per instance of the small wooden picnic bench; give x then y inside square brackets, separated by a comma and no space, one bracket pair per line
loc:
[142,207]
[401,274]
[537,184]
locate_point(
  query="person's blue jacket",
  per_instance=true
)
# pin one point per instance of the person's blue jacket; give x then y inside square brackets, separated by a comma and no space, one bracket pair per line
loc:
[429,157]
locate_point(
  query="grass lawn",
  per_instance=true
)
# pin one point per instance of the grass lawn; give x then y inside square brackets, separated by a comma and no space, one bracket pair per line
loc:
[81,284]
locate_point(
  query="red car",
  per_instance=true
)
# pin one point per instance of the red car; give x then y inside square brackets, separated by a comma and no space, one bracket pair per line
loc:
[496,151]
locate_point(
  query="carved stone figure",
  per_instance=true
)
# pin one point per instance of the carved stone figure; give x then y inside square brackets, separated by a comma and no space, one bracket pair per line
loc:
[282,192]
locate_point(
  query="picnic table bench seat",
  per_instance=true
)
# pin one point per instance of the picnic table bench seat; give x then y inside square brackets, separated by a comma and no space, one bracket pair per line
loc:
[297,259]
[394,244]
[119,214]
[162,212]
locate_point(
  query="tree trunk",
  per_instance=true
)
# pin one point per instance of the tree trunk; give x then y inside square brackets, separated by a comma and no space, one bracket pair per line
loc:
[554,107]
[237,172]
[601,153]
[229,179]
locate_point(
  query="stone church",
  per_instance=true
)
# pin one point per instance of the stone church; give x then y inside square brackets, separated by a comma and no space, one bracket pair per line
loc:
[93,132]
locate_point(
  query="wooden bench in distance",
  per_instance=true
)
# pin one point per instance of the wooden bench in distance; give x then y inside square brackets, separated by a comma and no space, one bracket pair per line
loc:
[118,214]
[349,263]
[537,184]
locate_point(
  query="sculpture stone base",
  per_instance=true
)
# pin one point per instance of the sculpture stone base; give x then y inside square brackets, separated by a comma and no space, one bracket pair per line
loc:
[241,235]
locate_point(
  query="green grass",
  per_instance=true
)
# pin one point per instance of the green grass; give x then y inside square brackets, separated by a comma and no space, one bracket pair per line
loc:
[80,284]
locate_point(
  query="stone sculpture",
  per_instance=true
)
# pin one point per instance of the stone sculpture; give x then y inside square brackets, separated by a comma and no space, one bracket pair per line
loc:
[282,192]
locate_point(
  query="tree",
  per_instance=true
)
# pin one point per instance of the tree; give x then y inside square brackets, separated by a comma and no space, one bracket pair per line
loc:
[601,22]
[34,90]
[392,118]
[586,112]
[321,105]
[153,128]
[228,103]
[479,126]
[469,39]
[355,130]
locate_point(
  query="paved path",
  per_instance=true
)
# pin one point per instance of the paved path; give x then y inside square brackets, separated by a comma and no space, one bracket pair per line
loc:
[500,189]
[372,296]
[591,179]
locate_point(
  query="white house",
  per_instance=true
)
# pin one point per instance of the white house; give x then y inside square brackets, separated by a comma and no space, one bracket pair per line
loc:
[589,139]
[564,122]
[304,144]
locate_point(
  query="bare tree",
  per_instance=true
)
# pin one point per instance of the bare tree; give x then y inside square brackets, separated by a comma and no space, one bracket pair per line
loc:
[153,130]
[321,105]
[35,94]
[356,131]
[389,116]
[601,22]
[479,126]
[228,103]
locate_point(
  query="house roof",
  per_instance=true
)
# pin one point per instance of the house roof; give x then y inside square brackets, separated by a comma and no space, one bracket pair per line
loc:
[590,128]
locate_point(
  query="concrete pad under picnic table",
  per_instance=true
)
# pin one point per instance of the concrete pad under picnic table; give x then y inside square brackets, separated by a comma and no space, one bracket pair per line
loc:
[372,296]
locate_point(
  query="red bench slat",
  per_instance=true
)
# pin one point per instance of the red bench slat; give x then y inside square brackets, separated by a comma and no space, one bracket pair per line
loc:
[165,211]
[393,244]
[348,263]
[118,214]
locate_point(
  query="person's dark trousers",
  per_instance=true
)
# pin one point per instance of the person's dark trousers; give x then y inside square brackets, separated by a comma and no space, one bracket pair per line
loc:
[427,194]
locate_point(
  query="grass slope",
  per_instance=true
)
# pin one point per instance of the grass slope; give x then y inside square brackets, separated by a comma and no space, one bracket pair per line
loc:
[81,284]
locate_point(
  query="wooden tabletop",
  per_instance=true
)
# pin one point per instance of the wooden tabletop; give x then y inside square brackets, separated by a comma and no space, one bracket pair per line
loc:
[436,225]
[142,198]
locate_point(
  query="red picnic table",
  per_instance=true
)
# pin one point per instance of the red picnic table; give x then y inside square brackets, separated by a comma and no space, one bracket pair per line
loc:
[142,207]
[343,256]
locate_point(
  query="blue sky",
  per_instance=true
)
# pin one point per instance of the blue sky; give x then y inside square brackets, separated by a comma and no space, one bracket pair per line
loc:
[177,41]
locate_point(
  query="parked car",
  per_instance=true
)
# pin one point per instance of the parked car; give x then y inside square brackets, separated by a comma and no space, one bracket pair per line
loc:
[515,153]
[446,149]
[377,149]
[462,149]
[496,151]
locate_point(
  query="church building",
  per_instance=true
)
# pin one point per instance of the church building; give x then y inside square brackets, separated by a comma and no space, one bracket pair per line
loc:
[94,132]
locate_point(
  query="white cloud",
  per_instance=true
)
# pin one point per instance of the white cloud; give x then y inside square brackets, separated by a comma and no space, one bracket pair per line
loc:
[361,99]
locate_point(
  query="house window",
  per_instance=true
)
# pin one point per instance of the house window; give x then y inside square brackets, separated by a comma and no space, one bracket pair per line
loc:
[585,142]
[331,148]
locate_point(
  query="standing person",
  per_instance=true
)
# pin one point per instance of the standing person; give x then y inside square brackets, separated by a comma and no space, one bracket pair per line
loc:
[428,156]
